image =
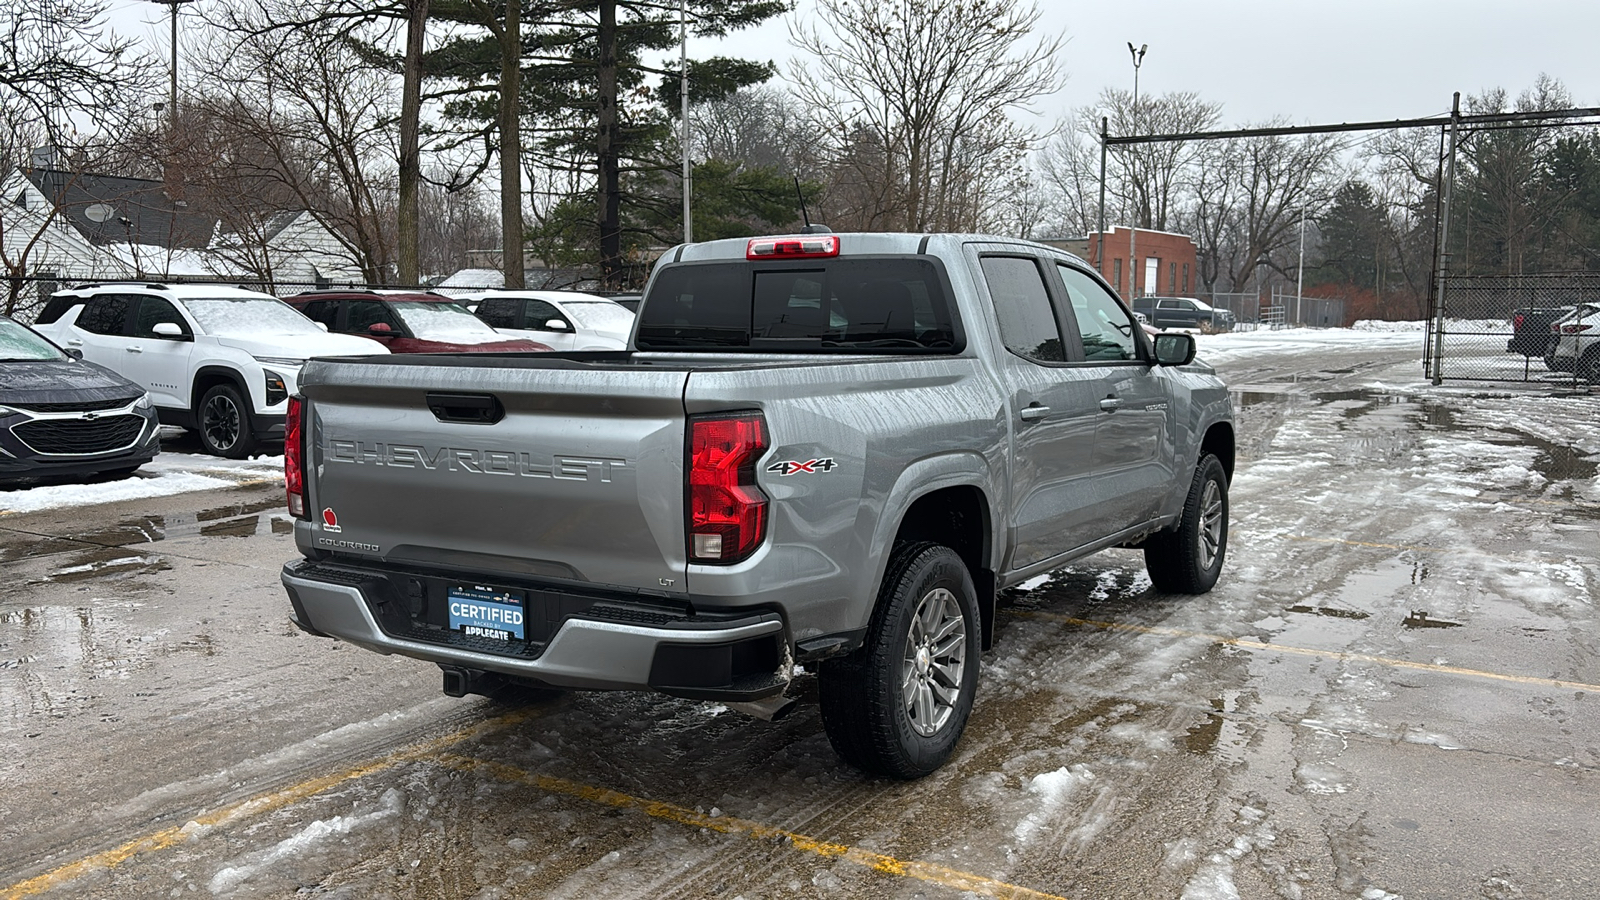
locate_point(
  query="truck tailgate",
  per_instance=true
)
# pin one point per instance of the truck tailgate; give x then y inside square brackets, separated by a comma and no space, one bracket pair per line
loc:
[547,470]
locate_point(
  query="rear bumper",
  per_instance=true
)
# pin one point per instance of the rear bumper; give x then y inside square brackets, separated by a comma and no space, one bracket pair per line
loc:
[739,658]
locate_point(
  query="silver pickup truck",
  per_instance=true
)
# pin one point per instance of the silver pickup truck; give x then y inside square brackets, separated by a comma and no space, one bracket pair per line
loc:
[821,450]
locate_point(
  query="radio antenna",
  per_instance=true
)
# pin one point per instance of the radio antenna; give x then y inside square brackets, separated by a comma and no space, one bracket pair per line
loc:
[804,216]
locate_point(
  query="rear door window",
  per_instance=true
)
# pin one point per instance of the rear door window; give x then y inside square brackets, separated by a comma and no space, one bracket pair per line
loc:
[835,305]
[1028,324]
[324,311]
[105,314]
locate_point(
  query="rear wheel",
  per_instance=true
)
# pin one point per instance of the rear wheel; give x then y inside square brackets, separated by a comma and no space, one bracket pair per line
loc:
[1589,367]
[225,423]
[1188,559]
[898,705]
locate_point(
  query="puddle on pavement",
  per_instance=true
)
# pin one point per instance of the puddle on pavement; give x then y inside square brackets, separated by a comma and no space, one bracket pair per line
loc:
[1331,612]
[105,562]
[1224,733]
[1420,619]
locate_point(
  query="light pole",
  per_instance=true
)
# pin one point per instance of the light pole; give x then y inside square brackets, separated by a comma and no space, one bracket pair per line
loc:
[1133,227]
[683,92]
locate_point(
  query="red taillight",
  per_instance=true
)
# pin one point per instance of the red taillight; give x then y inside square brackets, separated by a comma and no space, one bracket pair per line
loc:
[727,512]
[1516,322]
[1575,328]
[810,247]
[294,457]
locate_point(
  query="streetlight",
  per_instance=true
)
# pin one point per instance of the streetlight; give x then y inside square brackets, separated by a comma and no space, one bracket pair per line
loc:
[1133,227]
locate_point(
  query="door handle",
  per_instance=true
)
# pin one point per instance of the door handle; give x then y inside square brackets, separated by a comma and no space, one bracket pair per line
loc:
[1111,404]
[135,349]
[1035,412]
[74,343]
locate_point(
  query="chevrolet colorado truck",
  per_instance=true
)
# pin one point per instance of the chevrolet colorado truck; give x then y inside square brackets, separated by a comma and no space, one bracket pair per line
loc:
[828,450]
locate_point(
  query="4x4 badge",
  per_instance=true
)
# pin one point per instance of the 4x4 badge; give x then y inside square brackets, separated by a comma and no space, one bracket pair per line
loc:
[809,467]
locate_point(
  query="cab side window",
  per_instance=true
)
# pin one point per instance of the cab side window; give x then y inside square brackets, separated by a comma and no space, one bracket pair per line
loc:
[363,314]
[1105,327]
[154,311]
[105,314]
[540,312]
[1022,304]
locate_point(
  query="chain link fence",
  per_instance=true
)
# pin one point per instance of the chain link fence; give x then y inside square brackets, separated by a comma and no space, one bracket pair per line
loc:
[1509,328]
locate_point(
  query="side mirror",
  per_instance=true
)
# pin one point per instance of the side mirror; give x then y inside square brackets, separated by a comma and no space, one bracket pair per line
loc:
[1174,349]
[381,329]
[555,325]
[323,325]
[167,329]
[74,352]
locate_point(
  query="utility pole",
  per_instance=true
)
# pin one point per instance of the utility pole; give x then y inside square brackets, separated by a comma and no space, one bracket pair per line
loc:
[1300,271]
[172,99]
[1133,188]
[1100,253]
[683,92]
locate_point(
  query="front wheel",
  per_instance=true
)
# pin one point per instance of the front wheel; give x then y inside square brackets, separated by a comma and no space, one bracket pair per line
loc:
[898,705]
[1188,559]
[225,423]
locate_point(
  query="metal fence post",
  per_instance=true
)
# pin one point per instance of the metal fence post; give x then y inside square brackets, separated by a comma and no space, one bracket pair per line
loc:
[1444,242]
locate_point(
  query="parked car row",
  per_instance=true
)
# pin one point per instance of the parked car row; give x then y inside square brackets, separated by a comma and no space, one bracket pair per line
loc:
[84,390]
[1566,337]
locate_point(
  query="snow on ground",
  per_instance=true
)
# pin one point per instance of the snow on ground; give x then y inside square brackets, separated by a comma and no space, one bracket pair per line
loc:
[168,473]
[1234,346]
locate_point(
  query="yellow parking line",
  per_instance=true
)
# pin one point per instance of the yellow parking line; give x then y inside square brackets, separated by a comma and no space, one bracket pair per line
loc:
[254,806]
[878,862]
[1309,651]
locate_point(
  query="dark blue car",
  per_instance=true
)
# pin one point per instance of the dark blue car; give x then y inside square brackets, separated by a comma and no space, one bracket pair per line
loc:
[60,415]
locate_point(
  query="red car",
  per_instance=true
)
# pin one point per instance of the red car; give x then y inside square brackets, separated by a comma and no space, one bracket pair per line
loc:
[407,322]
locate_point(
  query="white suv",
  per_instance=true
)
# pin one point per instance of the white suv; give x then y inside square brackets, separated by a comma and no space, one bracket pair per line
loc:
[219,361]
[1577,344]
[563,320]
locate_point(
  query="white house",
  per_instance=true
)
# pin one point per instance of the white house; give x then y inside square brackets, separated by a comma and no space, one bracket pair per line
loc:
[67,226]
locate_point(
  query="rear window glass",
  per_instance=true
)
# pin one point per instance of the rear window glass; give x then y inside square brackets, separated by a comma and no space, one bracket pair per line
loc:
[835,305]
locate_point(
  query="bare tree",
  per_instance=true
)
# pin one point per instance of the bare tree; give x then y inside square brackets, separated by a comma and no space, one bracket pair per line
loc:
[1249,195]
[932,84]
[63,78]
[318,120]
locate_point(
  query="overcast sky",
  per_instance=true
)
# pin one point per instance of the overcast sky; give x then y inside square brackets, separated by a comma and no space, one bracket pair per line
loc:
[1313,62]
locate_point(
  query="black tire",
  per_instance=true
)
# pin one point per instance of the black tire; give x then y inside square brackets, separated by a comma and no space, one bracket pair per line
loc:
[1588,368]
[224,423]
[1188,559]
[1556,363]
[865,705]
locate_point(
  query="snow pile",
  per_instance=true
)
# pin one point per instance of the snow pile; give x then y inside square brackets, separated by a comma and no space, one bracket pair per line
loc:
[167,474]
[1052,790]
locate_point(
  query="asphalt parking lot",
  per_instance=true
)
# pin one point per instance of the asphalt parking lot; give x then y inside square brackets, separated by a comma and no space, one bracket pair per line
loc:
[1391,693]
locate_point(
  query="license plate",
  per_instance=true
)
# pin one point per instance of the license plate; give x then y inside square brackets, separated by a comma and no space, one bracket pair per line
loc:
[488,613]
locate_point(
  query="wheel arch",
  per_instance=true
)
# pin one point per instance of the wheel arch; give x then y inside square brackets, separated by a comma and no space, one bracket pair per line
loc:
[208,377]
[947,499]
[1219,442]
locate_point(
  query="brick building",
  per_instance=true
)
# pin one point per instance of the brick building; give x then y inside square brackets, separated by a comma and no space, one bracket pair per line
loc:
[1167,261]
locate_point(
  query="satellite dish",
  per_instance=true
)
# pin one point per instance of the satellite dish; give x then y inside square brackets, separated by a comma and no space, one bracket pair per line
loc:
[99,212]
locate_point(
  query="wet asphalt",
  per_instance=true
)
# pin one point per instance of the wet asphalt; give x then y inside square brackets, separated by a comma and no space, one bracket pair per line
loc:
[1391,693]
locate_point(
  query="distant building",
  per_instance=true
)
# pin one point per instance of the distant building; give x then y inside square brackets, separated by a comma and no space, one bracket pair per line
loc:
[77,226]
[1168,265]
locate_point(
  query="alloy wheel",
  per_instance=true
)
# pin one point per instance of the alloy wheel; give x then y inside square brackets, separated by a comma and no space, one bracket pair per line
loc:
[935,660]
